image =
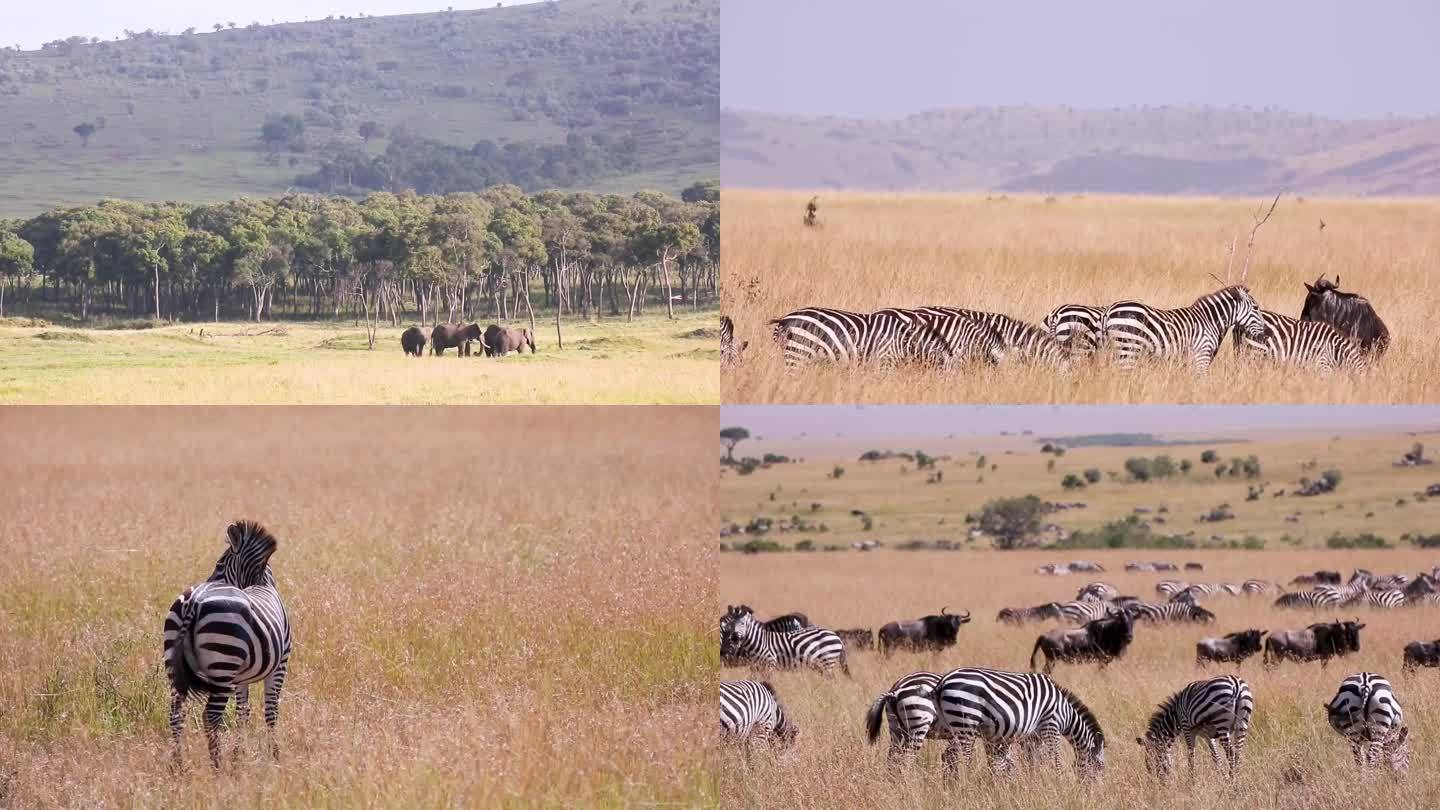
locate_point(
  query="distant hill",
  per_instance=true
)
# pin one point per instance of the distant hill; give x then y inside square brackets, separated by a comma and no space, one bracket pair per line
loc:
[1130,440]
[605,95]
[1150,150]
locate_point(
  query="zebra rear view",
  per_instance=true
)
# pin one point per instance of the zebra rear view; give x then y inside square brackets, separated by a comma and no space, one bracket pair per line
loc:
[751,710]
[1366,713]
[887,337]
[226,633]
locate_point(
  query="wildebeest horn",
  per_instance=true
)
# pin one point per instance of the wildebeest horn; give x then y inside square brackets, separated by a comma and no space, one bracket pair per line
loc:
[942,610]
[966,616]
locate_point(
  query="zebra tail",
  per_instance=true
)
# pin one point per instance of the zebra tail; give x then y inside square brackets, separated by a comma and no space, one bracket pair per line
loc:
[845,663]
[183,678]
[1035,650]
[876,714]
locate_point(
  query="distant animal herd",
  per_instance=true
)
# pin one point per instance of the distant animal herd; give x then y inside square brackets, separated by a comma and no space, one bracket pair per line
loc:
[495,340]
[1335,331]
[1000,708]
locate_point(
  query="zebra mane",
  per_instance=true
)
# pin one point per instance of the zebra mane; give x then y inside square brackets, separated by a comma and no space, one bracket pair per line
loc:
[1227,293]
[1086,716]
[246,560]
[1154,728]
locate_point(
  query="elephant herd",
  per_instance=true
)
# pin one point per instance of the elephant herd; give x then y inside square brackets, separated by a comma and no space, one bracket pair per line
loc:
[496,340]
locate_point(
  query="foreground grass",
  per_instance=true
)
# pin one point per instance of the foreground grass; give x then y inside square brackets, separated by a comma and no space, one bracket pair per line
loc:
[653,360]
[1026,255]
[483,616]
[832,765]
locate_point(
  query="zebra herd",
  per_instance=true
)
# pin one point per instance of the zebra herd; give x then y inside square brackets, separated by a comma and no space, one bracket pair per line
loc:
[1336,331]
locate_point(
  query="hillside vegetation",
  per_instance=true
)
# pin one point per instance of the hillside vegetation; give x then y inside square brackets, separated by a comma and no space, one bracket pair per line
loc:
[600,94]
[1139,150]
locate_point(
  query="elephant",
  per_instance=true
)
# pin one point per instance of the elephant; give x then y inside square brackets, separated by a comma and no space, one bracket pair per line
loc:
[502,340]
[412,340]
[453,334]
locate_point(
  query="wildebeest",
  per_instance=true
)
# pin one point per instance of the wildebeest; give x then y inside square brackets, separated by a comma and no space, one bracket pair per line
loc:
[857,638]
[1317,578]
[412,340]
[1194,566]
[1231,647]
[1101,640]
[501,340]
[1322,641]
[1421,654]
[447,335]
[1049,610]
[1350,314]
[933,632]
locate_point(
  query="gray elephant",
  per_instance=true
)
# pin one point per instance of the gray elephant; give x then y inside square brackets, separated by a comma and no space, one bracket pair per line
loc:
[502,340]
[457,335]
[412,340]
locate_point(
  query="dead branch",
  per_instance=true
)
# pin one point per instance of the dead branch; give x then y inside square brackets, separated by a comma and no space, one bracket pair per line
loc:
[1259,220]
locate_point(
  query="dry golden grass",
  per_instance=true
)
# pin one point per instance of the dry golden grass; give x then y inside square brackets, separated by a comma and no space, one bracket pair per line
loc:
[1024,256]
[491,605]
[832,765]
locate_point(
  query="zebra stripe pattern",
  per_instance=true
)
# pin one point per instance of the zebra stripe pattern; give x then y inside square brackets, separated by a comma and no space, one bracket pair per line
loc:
[1097,592]
[1366,713]
[1308,599]
[887,337]
[1076,328]
[1001,708]
[1192,333]
[1258,586]
[226,633]
[1217,710]
[1018,337]
[745,639]
[751,710]
[1080,612]
[730,351]
[910,712]
[1168,612]
[1302,343]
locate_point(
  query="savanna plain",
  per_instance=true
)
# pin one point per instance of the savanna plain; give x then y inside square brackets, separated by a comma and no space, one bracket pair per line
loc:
[497,606]
[1293,758]
[1023,255]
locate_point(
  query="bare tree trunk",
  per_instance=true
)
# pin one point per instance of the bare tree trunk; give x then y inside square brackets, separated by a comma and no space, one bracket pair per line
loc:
[669,295]
[531,309]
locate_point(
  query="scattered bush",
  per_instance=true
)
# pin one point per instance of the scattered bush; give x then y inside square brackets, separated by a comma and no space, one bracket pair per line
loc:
[1092,476]
[1072,481]
[1366,540]
[1209,457]
[1012,522]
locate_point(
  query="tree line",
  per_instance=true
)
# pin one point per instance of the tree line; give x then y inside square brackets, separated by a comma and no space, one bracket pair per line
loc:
[498,253]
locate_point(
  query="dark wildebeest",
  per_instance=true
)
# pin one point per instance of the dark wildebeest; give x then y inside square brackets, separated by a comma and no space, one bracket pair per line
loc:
[1101,640]
[1323,641]
[857,638]
[412,340]
[1350,314]
[933,632]
[1049,610]
[788,623]
[502,340]
[447,335]
[1317,578]
[1231,647]
[1194,566]
[1421,654]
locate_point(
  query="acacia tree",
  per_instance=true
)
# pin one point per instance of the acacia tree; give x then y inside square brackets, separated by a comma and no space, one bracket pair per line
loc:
[1012,522]
[17,259]
[730,437]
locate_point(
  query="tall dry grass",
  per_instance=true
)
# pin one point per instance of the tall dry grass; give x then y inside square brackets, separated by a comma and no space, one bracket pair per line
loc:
[491,605]
[1024,255]
[832,765]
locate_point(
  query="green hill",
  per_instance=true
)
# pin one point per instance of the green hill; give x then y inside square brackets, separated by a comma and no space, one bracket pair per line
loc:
[606,95]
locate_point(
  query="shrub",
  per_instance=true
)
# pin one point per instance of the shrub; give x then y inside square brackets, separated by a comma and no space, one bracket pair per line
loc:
[1128,533]
[1208,457]
[1366,540]
[1426,540]
[1012,522]
[1072,481]
[838,472]
[757,546]
[1138,468]
[1092,476]
[805,545]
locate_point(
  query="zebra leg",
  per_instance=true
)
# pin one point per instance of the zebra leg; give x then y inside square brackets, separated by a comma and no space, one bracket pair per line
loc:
[214,717]
[959,745]
[999,755]
[1221,741]
[177,706]
[1190,753]
[273,684]
[242,704]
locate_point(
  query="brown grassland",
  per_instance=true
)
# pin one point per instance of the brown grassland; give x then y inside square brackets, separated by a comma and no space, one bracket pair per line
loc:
[831,764]
[497,606]
[1024,255]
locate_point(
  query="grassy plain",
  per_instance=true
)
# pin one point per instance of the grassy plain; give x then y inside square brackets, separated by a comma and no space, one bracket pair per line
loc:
[1024,255]
[653,360]
[492,607]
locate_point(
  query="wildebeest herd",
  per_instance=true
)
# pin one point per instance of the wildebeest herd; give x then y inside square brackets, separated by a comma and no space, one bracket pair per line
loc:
[1000,708]
[495,340]
[1336,330]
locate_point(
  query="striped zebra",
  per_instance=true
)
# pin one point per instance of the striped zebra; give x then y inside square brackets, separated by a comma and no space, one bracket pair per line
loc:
[1097,592]
[745,639]
[1076,328]
[751,710]
[908,708]
[1366,713]
[1168,612]
[730,351]
[886,337]
[1386,599]
[1302,343]
[1192,333]
[1217,710]
[1002,708]
[1080,612]
[1308,599]
[1348,594]
[226,633]
[1169,587]
[1259,586]
[1018,338]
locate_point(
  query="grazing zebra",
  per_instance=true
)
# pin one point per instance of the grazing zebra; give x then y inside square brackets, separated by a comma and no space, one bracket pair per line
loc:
[1303,343]
[1050,610]
[1098,592]
[1386,599]
[1086,611]
[1348,594]
[1365,712]
[1259,586]
[884,337]
[1029,342]
[226,633]
[1001,708]
[730,351]
[909,710]
[747,640]
[1217,710]
[751,710]
[1169,587]
[1308,599]
[1191,333]
[1168,612]
[1076,327]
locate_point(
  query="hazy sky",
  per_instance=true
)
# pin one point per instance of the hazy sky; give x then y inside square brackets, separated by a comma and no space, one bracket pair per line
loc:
[30,24]
[892,58]
[1225,421]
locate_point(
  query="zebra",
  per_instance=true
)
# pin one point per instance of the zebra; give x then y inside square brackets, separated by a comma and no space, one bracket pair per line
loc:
[1018,337]
[1076,327]
[1217,709]
[909,710]
[751,710]
[1366,713]
[886,337]
[1097,592]
[1049,610]
[1304,343]
[1006,707]
[1308,599]
[1081,612]
[1169,587]
[1259,586]
[1386,599]
[1191,333]
[226,633]
[730,351]
[1168,612]
[747,640]
[1348,594]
